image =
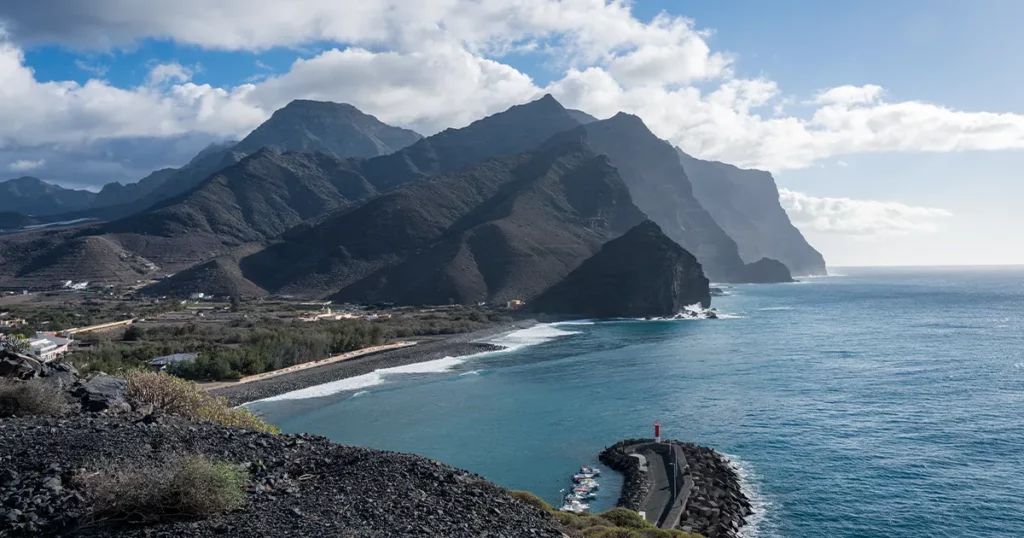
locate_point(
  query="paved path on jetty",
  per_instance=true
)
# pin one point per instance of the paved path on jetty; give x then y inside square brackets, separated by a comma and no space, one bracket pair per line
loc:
[661,507]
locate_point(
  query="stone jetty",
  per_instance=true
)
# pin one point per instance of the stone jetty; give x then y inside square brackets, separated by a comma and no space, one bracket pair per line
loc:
[712,505]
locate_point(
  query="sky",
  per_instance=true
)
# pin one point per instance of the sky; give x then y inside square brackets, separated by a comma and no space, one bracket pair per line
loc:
[895,130]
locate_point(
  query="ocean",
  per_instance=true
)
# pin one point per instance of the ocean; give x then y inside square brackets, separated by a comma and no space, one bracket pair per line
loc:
[878,402]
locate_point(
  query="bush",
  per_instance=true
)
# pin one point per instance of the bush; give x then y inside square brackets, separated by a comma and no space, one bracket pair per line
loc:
[186,399]
[532,500]
[614,523]
[189,487]
[24,398]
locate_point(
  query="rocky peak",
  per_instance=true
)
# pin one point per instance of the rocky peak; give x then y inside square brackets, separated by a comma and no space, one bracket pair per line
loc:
[642,273]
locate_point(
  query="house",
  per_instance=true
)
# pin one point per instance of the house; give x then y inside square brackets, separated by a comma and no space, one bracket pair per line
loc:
[161,363]
[48,346]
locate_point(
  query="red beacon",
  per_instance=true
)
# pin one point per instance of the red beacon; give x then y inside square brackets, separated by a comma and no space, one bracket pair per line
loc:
[657,432]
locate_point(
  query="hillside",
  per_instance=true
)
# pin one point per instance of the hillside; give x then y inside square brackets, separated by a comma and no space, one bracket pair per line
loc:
[643,273]
[503,229]
[35,197]
[745,203]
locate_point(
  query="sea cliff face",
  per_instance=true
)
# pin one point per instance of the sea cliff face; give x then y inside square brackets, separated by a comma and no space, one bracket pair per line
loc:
[642,273]
[745,203]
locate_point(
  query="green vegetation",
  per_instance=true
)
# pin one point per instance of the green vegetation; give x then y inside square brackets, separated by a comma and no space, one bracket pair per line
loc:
[14,343]
[25,398]
[186,399]
[614,523]
[188,487]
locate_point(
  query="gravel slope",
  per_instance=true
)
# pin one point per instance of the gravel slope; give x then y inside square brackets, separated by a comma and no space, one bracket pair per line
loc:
[345,491]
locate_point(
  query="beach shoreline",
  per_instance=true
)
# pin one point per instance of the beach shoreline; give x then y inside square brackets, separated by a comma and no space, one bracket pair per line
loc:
[457,345]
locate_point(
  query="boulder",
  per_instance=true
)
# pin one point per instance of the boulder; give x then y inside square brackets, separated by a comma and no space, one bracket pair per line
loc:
[18,366]
[103,393]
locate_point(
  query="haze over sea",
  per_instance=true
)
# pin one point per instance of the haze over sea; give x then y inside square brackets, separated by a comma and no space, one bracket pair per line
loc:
[883,402]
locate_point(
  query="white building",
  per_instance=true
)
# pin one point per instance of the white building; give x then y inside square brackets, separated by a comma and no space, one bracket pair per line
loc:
[47,347]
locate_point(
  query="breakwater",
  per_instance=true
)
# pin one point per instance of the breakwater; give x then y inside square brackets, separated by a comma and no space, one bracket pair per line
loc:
[711,502]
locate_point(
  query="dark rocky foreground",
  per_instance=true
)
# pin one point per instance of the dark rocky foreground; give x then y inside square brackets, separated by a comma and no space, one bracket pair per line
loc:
[301,485]
[453,346]
[716,507]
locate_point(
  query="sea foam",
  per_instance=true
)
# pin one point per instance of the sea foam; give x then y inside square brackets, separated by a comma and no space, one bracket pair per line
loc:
[538,334]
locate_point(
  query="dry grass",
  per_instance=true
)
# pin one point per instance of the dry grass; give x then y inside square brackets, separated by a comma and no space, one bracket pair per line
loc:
[614,523]
[188,487]
[25,398]
[184,398]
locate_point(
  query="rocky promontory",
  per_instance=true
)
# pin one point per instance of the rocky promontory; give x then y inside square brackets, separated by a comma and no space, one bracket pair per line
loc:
[643,273]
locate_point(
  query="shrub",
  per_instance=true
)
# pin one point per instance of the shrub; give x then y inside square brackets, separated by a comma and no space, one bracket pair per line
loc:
[186,399]
[531,499]
[188,487]
[614,523]
[24,398]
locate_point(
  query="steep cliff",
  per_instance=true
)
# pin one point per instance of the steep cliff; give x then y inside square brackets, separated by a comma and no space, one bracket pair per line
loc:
[745,203]
[642,273]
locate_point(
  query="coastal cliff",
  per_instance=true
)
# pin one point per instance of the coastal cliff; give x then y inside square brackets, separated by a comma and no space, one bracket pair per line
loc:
[642,273]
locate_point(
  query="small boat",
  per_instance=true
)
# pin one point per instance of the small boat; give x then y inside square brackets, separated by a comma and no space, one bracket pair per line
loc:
[582,476]
[575,507]
[586,469]
[589,484]
[580,496]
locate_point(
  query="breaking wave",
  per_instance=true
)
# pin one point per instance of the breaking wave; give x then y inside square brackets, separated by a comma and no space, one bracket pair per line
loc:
[372,379]
[538,334]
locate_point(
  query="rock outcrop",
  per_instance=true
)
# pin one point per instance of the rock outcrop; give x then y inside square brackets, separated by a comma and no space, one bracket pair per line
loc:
[643,273]
[764,271]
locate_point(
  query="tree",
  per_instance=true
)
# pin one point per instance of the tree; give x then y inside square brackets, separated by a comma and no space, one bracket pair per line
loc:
[235,303]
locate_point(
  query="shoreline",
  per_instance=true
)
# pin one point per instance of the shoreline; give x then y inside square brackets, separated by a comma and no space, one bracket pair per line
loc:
[457,345]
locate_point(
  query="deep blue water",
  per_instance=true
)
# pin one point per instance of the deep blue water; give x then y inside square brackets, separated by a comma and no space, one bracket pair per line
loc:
[886,402]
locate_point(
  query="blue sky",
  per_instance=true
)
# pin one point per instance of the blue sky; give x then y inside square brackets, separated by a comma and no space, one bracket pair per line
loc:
[895,129]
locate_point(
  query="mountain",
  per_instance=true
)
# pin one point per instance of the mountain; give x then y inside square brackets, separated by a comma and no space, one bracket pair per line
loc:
[519,129]
[341,130]
[580,116]
[254,200]
[746,204]
[33,196]
[642,273]
[337,129]
[660,188]
[504,229]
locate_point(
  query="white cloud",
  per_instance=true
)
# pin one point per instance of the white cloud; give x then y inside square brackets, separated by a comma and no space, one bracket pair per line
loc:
[848,216]
[24,165]
[849,95]
[438,63]
[169,72]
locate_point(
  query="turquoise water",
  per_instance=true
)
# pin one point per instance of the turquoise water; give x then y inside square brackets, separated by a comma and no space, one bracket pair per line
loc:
[886,402]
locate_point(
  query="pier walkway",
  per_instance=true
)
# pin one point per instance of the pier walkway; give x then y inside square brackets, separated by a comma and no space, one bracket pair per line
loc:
[663,506]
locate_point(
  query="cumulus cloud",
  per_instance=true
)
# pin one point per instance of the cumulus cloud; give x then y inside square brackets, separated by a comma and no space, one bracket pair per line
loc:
[169,72]
[24,165]
[440,63]
[859,217]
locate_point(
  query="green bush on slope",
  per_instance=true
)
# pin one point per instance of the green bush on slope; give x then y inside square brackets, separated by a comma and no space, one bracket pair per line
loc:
[614,523]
